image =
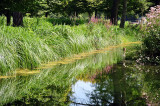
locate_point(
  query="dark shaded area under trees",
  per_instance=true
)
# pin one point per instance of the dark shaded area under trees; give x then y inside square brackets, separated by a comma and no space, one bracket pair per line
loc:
[72,8]
[17,8]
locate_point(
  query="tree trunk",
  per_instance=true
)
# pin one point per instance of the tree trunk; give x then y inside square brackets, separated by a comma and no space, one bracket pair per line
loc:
[117,89]
[8,16]
[114,12]
[17,19]
[89,14]
[123,19]
[95,13]
[46,14]
[105,15]
[119,86]
[76,14]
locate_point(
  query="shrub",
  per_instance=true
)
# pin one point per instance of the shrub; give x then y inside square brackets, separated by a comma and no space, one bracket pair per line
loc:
[152,32]
[66,21]
[106,23]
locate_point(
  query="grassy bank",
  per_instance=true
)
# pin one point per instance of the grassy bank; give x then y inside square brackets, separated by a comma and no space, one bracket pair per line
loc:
[40,41]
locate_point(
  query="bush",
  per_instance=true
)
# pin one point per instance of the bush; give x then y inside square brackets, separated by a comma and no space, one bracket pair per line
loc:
[152,32]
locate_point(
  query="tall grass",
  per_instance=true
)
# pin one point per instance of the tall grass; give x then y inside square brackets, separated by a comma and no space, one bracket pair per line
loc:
[40,41]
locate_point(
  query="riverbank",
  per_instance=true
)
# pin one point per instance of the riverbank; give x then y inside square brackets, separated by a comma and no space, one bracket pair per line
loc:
[39,41]
[70,60]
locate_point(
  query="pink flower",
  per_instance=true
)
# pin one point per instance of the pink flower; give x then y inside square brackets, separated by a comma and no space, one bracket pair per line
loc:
[153,18]
[93,20]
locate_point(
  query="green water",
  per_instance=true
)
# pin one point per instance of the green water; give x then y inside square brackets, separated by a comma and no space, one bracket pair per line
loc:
[109,78]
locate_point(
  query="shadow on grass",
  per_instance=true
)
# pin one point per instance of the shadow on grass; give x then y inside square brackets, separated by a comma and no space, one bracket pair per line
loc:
[66,21]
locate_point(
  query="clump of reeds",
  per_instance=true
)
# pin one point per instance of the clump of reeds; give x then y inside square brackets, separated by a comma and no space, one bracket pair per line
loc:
[40,41]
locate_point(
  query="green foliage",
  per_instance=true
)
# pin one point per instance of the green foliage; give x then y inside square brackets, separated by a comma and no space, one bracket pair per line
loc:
[152,33]
[2,20]
[39,42]
[23,6]
[66,21]
[152,83]
[138,7]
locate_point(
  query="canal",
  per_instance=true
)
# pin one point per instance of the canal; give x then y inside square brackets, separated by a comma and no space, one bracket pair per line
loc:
[112,76]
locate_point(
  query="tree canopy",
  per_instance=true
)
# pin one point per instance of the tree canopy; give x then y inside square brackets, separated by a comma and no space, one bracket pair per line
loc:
[110,8]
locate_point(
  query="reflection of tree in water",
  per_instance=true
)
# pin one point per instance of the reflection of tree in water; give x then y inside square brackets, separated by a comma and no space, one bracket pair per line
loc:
[129,84]
[152,84]
[120,87]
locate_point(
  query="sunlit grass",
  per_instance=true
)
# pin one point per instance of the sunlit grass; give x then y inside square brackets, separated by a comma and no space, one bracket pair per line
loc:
[39,41]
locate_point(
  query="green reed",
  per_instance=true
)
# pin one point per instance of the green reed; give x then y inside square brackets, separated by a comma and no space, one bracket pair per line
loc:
[39,41]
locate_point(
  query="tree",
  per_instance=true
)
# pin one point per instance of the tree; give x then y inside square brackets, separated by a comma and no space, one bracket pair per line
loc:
[138,7]
[123,18]
[5,9]
[97,6]
[18,8]
[58,6]
[114,12]
[155,2]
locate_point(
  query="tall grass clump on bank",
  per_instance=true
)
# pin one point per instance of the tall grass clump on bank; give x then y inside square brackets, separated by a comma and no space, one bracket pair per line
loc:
[40,41]
[21,48]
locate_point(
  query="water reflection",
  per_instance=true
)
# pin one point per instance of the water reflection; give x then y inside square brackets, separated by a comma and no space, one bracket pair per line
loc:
[118,85]
[52,86]
[94,80]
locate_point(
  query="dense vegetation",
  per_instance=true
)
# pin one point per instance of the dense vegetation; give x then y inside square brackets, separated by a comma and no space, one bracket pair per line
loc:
[153,31]
[39,41]
[152,36]
[37,36]
[111,9]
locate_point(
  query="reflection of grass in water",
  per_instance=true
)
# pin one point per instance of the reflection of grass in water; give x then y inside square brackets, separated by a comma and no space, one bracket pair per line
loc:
[53,83]
[110,58]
